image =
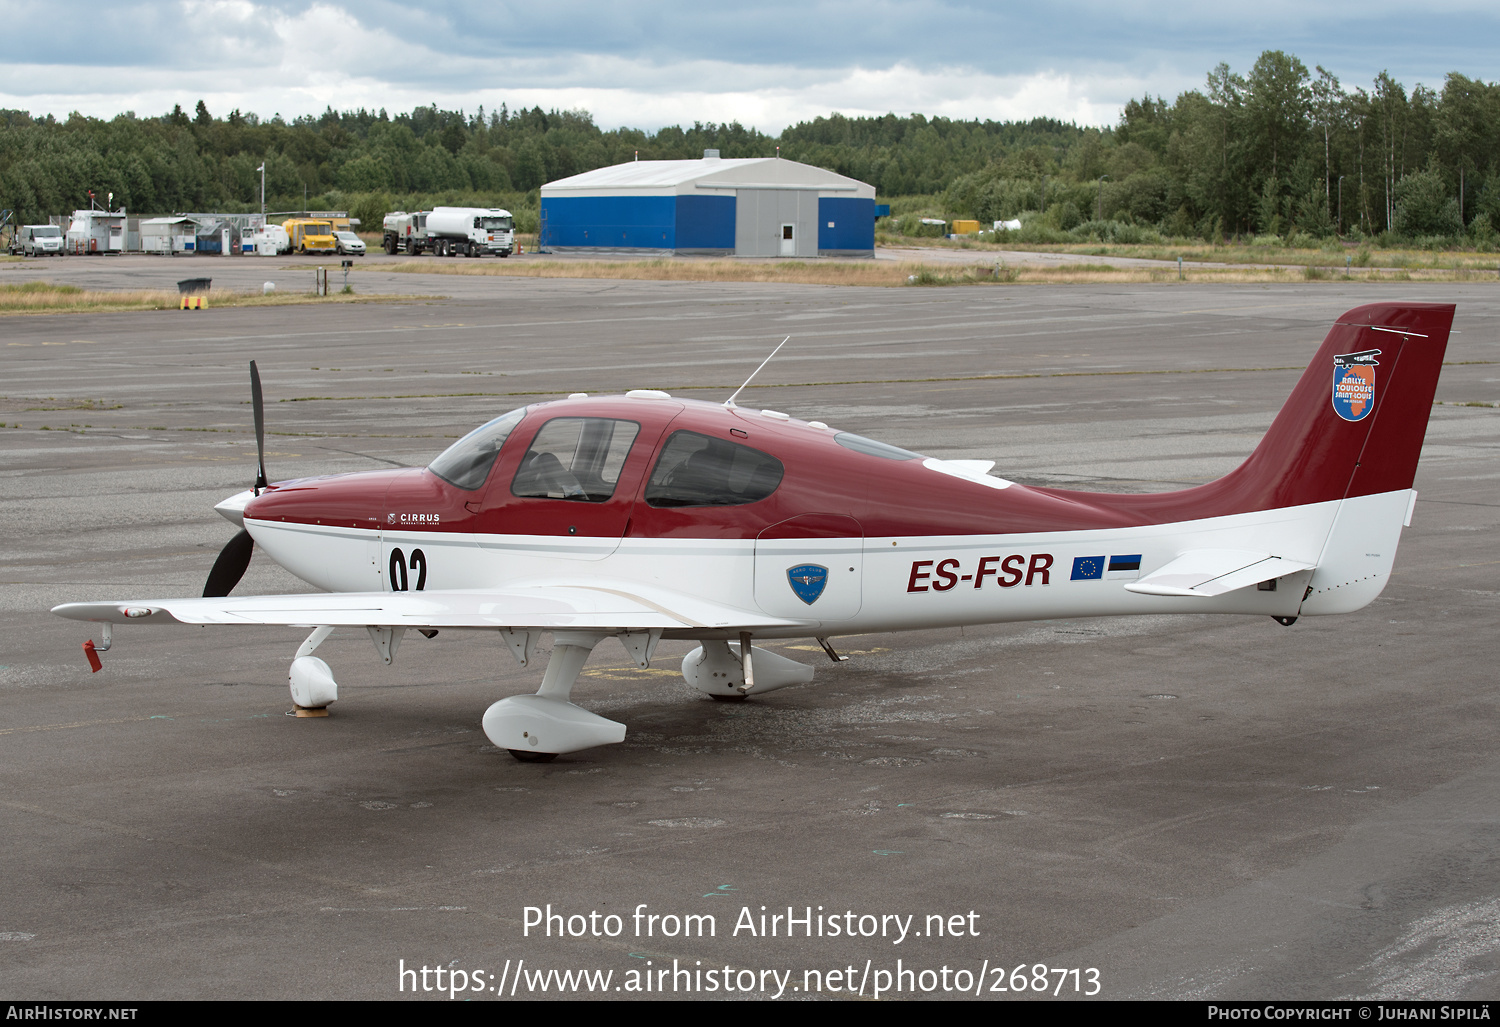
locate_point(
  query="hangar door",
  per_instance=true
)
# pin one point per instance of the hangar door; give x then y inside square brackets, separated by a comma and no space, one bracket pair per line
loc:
[776,222]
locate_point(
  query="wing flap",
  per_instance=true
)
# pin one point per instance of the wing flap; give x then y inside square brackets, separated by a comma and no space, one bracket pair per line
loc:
[576,607]
[1213,572]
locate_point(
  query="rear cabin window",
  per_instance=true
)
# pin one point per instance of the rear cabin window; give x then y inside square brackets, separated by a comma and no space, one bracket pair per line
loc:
[699,470]
[576,458]
[467,462]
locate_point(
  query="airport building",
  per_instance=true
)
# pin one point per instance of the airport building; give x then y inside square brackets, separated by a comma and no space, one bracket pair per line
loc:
[751,207]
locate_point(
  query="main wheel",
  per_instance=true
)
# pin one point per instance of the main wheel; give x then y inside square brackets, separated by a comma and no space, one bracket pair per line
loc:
[532,757]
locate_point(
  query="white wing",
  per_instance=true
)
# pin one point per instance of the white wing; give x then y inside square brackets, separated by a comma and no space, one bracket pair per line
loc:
[546,607]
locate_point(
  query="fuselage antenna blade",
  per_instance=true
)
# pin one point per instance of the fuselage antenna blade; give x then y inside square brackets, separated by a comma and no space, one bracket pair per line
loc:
[730,401]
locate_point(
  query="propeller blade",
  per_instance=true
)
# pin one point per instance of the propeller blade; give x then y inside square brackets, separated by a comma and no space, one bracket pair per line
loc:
[259,406]
[230,567]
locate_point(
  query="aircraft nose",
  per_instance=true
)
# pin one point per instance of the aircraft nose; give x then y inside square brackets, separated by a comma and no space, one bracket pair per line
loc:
[233,508]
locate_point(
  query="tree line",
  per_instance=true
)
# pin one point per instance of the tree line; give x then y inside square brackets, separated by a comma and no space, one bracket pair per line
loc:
[1279,150]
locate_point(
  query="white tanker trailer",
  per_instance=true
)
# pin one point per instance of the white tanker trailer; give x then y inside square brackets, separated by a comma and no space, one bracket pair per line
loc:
[470,231]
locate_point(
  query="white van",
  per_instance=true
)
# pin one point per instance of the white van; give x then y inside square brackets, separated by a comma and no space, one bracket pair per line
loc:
[38,241]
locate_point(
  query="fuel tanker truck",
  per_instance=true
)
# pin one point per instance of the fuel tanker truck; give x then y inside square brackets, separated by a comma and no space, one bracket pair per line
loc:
[406,233]
[470,232]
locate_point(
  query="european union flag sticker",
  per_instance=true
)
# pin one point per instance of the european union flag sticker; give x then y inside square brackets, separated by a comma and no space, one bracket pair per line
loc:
[1088,568]
[808,581]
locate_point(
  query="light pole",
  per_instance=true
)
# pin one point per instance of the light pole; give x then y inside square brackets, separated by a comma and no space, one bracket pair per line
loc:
[262,170]
[1099,200]
[1341,205]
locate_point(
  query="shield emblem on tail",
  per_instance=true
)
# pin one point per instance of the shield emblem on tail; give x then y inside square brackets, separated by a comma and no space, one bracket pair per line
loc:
[808,581]
[1354,384]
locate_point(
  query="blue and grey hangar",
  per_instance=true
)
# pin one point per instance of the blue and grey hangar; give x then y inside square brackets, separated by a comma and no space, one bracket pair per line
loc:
[746,207]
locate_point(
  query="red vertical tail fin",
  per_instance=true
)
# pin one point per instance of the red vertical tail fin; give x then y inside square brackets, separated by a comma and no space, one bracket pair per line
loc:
[1354,424]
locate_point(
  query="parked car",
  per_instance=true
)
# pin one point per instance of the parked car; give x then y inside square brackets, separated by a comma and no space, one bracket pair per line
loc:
[38,241]
[349,244]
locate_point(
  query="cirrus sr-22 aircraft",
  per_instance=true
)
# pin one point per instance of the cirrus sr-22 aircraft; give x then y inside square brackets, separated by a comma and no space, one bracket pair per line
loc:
[645,517]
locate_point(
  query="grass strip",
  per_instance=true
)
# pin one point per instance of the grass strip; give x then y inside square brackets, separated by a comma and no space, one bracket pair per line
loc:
[51,298]
[891,274]
[1330,257]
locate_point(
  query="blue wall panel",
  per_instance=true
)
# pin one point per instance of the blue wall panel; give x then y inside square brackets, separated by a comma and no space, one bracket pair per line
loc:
[853,223]
[705,222]
[639,222]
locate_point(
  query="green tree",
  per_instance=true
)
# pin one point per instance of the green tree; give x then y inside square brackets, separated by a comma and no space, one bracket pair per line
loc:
[1423,205]
[1329,112]
[1277,106]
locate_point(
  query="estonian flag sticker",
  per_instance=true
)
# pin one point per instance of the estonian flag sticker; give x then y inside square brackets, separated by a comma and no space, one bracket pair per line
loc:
[1124,568]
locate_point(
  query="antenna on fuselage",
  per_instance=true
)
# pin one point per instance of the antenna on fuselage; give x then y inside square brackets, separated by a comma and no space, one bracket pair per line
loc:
[730,401]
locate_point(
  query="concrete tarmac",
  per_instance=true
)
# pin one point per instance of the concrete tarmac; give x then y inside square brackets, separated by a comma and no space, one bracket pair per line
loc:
[1190,806]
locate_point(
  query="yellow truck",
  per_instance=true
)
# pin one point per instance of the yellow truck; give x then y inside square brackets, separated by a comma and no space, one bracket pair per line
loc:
[310,235]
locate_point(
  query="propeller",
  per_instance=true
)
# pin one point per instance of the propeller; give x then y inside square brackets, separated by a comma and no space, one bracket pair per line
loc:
[230,567]
[234,558]
[258,405]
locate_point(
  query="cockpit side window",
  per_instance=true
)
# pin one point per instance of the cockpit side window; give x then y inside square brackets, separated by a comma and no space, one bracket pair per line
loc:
[577,458]
[699,470]
[467,462]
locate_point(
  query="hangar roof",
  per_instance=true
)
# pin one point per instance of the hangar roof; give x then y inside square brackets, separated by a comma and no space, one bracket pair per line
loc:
[675,176]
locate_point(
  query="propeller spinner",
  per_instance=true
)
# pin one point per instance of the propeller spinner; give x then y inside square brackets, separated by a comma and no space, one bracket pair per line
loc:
[234,558]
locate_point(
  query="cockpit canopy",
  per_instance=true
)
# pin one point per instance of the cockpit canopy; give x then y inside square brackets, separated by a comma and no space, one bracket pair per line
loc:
[581,458]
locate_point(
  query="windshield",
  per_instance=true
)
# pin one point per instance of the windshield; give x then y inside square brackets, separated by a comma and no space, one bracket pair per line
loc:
[467,462]
[48,232]
[318,228]
[496,224]
[347,236]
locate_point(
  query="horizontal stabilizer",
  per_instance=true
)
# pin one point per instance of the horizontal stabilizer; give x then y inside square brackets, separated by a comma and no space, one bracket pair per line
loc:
[544,607]
[1212,572]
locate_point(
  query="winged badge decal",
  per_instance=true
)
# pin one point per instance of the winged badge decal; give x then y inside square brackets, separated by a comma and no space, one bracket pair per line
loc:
[807,581]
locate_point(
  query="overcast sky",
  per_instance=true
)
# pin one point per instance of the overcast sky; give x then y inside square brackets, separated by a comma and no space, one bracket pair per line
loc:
[649,64]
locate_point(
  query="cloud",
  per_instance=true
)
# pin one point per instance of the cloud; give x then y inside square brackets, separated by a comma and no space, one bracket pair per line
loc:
[672,61]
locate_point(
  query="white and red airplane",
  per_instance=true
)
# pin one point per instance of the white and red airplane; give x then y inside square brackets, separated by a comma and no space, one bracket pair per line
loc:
[645,517]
